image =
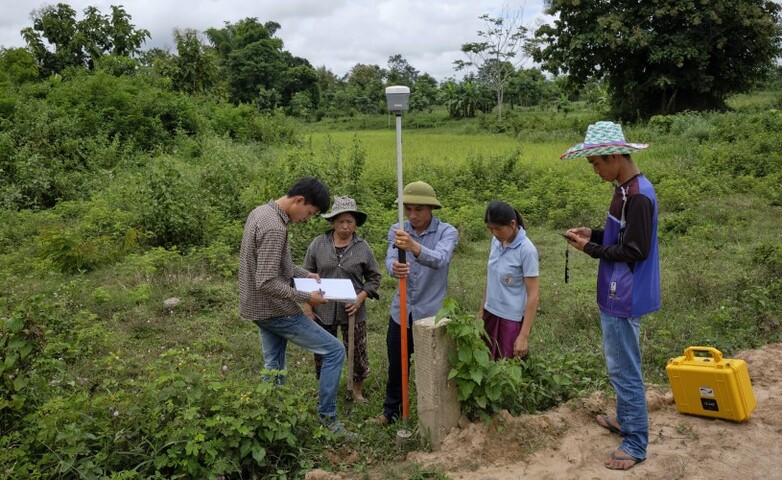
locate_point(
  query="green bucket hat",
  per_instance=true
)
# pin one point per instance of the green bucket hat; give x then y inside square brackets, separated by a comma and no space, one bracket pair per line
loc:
[603,138]
[420,193]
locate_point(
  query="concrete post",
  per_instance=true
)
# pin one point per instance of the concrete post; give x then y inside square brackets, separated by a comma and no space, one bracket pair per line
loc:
[438,404]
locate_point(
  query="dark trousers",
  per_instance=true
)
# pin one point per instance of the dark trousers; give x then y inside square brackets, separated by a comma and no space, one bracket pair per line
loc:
[392,408]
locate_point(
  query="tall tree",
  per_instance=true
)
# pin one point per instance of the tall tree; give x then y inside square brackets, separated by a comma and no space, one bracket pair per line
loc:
[196,63]
[423,95]
[527,87]
[365,87]
[17,65]
[400,72]
[663,56]
[499,52]
[257,67]
[80,43]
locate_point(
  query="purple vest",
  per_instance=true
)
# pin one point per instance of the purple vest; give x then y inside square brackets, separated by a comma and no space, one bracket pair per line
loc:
[629,289]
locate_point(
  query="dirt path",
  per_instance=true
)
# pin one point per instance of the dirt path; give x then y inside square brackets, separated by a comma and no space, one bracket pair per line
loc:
[569,445]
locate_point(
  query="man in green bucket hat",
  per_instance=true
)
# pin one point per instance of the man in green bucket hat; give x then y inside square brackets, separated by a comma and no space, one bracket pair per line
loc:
[429,243]
[628,280]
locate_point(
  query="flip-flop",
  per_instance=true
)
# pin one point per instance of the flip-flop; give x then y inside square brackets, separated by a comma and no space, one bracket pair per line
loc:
[628,458]
[606,422]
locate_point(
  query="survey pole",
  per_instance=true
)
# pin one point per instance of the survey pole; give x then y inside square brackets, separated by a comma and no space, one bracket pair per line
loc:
[397,97]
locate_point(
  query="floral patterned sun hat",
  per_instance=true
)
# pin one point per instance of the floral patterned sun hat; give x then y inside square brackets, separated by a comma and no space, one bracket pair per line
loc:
[603,138]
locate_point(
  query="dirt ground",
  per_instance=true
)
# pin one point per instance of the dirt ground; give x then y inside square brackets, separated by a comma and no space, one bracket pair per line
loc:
[566,443]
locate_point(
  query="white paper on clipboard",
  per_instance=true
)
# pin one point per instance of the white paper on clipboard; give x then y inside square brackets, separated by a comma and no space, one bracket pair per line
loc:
[336,289]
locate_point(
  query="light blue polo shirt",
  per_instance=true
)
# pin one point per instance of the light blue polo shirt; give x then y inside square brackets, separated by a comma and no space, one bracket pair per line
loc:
[506,294]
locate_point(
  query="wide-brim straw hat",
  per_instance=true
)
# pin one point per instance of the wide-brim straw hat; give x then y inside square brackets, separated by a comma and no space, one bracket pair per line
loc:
[420,193]
[346,205]
[603,138]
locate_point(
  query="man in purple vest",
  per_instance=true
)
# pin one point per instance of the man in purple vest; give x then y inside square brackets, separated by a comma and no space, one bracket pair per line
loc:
[628,280]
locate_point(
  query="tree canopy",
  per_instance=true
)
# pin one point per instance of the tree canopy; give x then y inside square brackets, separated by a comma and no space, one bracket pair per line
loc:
[499,52]
[79,43]
[662,56]
[257,67]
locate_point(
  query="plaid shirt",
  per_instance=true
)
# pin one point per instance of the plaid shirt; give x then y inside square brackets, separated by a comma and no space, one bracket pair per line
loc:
[266,269]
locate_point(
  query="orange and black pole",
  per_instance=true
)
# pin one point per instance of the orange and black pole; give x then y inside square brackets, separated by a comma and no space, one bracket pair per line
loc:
[397,97]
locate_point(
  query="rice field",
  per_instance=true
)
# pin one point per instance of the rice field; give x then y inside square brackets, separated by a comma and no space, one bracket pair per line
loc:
[432,148]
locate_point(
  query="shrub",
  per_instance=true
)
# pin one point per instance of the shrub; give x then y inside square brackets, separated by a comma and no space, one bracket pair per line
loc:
[101,236]
[486,387]
[184,417]
[20,342]
[244,123]
[172,208]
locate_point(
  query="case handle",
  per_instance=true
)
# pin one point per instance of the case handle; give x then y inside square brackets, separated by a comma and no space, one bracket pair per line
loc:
[690,353]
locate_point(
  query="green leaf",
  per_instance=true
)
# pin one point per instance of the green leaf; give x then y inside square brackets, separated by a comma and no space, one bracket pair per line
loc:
[482,357]
[14,324]
[259,453]
[25,349]
[66,465]
[10,360]
[465,355]
[465,389]
[20,383]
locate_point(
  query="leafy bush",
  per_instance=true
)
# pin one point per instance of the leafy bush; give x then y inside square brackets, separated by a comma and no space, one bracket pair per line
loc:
[244,123]
[468,219]
[223,179]
[486,387]
[101,236]
[676,194]
[20,343]
[182,418]
[172,208]
[134,108]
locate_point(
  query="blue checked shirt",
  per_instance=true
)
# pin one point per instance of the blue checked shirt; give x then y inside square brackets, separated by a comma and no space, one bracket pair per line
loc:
[428,279]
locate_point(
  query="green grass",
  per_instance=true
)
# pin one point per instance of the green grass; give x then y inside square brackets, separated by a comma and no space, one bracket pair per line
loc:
[420,148]
[104,329]
[754,101]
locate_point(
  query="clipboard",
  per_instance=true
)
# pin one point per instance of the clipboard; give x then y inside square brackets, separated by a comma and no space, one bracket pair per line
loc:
[336,289]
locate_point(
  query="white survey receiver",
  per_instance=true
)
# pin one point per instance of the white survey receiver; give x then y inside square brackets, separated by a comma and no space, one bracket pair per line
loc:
[397,98]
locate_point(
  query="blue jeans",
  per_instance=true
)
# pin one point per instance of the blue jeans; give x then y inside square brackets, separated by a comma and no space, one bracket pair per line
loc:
[623,360]
[300,330]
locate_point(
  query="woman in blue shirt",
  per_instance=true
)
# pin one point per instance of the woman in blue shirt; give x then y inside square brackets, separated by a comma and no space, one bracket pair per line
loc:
[510,300]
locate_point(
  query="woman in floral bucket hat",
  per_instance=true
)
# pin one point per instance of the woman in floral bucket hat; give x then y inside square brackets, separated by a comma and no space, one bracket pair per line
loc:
[628,280]
[341,253]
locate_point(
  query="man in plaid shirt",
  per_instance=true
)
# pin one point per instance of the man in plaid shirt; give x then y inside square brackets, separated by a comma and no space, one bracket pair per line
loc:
[267,298]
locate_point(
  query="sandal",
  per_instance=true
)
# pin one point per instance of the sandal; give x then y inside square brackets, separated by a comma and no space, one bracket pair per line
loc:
[609,424]
[625,457]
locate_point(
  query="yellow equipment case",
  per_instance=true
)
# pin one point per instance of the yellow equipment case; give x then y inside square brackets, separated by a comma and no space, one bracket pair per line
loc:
[711,386]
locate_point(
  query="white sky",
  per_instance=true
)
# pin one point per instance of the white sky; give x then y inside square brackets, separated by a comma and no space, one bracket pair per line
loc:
[334,33]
